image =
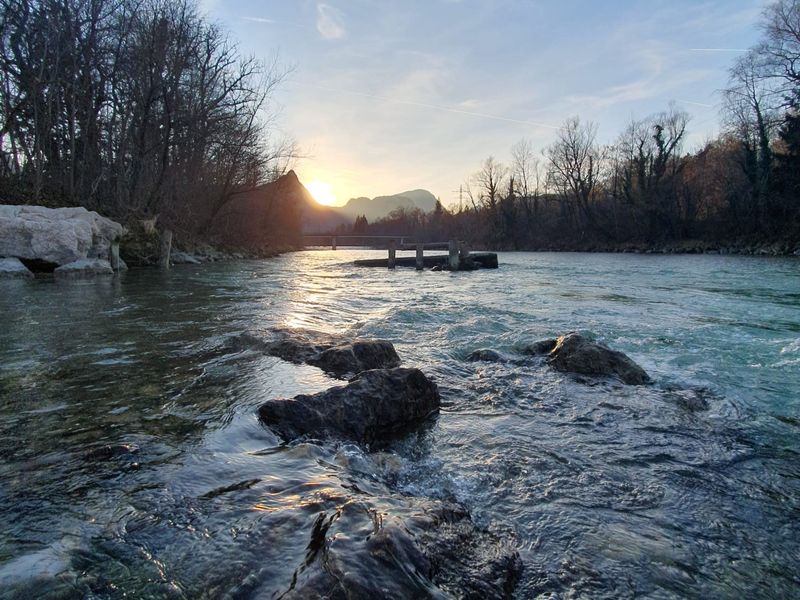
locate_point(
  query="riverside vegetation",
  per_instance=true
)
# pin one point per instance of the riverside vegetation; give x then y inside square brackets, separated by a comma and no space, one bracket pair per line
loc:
[738,193]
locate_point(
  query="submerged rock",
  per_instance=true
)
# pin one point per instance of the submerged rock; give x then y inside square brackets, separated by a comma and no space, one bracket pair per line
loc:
[575,353]
[85,267]
[178,257]
[55,236]
[485,355]
[542,347]
[436,552]
[336,355]
[378,404]
[12,268]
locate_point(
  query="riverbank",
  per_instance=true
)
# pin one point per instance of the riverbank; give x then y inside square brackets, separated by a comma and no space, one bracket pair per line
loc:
[743,247]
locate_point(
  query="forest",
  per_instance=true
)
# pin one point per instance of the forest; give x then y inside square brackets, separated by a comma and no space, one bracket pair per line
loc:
[645,188]
[132,108]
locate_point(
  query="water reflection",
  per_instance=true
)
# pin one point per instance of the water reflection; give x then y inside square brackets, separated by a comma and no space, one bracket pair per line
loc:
[133,462]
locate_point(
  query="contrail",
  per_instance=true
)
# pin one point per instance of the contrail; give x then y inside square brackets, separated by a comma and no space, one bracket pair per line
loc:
[449,109]
[696,103]
[718,49]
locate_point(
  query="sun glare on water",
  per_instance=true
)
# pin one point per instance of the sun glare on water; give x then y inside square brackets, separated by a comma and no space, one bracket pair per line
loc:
[321,192]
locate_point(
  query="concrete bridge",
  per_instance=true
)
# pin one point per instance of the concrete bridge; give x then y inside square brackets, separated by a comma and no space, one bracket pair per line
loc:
[366,241]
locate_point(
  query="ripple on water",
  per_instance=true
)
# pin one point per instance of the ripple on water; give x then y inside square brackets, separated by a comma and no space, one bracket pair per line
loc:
[134,463]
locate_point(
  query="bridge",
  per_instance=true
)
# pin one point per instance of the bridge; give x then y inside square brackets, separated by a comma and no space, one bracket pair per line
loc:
[458,257]
[366,241]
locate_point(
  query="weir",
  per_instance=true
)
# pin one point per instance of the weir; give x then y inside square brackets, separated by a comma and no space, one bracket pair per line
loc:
[458,257]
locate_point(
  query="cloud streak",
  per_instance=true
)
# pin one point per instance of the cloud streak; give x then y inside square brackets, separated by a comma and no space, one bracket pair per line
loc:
[259,20]
[449,109]
[330,23]
[718,49]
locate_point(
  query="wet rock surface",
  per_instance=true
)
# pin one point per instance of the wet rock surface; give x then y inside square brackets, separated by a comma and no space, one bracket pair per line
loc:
[485,355]
[380,548]
[339,356]
[376,405]
[12,268]
[85,267]
[576,353]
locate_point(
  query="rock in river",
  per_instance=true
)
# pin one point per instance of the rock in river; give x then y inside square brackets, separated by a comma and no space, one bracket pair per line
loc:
[55,236]
[12,267]
[85,267]
[376,405]
[426,549]
[575,353]
[336,355]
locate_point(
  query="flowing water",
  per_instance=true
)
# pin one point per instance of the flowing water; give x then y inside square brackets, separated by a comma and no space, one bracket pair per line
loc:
[132,463]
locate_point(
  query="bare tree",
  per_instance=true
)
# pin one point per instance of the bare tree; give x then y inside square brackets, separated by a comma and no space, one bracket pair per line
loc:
[648,161]
[132,107]
[574,166]
[526,171]
[752,115]
[489,181]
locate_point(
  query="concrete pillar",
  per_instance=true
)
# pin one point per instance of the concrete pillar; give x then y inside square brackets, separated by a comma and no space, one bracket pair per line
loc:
[420,257]
[392,253]
[333,243]
[113,255]
[453,250]
[165,249]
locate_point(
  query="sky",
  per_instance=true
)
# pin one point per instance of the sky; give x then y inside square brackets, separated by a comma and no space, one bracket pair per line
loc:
[390,95]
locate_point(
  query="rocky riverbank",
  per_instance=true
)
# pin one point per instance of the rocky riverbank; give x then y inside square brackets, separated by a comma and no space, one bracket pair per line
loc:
[744,247]
[75,242]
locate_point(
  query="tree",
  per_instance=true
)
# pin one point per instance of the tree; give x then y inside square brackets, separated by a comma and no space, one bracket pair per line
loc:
[131,107]
[489,181]
[525,169]
[574,161]
[649,168]
[361,224]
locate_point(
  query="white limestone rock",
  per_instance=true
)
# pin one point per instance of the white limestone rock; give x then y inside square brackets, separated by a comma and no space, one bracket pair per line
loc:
[55,235]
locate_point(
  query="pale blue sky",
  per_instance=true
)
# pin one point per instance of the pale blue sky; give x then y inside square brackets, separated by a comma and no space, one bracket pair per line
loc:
[391,95]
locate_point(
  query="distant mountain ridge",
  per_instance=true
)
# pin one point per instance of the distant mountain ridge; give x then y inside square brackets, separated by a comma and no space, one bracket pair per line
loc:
[381,206]
[319,218]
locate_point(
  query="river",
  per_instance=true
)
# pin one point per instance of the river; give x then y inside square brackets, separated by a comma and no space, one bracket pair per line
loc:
[132,463]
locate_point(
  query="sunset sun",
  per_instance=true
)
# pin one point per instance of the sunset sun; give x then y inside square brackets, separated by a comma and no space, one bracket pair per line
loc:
[321,192]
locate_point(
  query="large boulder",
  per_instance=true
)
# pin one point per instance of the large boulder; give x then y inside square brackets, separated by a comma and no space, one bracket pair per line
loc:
[12,267]
[575,353]
[55,236]
[378,404]
[336,355]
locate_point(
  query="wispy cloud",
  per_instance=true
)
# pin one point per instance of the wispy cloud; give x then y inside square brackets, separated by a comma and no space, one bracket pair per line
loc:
[450,109]
[695,103]
[718,49]
[330,23]
[259,20]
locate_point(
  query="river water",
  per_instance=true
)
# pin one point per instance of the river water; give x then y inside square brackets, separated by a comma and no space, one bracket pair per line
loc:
[132,463]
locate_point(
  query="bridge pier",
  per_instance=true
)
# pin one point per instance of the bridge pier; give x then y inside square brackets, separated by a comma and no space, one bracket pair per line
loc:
[392,253]
[420,257]
[452,248]
[333,243]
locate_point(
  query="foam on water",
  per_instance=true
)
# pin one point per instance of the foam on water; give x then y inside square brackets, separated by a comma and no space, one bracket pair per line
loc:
[133,462]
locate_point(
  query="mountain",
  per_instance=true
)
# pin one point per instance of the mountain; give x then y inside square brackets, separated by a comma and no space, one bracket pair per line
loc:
[320,219]
[381,206]
[269,215]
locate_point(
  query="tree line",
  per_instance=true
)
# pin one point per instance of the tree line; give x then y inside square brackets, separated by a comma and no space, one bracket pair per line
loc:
[134,108]
[644,188]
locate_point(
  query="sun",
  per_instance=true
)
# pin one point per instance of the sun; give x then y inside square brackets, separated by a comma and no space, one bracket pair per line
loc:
[321,192]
